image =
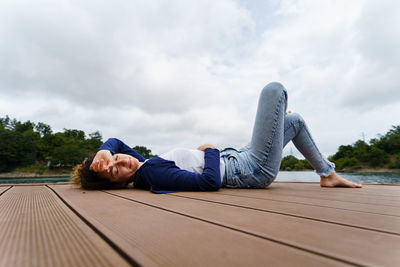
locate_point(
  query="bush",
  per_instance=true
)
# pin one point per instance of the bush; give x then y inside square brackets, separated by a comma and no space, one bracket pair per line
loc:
[350,163]
[377,157]
[290,163]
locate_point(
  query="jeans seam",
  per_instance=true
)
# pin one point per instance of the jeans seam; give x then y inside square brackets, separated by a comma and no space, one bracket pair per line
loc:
[316,148]
[270,142]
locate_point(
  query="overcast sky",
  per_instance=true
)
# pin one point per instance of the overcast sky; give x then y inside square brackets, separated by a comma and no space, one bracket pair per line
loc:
[168,74]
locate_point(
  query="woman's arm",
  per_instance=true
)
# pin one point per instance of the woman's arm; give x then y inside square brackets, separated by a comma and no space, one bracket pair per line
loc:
[161,174]
[115,145]
[109,148]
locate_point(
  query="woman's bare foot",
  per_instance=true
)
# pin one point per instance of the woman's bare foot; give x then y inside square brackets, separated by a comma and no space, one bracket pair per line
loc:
[335,180]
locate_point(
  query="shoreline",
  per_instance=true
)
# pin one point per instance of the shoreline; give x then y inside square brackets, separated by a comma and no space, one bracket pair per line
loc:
[7,175]
[382,170]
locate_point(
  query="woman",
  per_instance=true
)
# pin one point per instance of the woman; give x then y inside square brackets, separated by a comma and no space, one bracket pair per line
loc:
[206,169]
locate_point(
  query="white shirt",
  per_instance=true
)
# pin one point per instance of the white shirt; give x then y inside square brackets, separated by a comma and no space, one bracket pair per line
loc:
[190,159]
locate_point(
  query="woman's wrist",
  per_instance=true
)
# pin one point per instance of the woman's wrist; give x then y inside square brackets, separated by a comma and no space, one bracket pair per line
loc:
[100,161]
[203,147]
[103,154]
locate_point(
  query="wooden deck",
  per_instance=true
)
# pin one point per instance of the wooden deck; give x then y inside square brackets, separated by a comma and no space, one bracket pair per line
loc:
[288,224]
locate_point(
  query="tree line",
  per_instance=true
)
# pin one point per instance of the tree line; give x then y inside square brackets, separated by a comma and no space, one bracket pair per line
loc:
[27,143]
[32,144]
[380,152]
[383,151]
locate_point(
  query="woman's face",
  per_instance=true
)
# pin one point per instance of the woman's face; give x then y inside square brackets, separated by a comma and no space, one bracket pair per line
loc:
[121,167]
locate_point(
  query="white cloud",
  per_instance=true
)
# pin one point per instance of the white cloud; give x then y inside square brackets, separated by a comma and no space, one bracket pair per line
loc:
[175,73]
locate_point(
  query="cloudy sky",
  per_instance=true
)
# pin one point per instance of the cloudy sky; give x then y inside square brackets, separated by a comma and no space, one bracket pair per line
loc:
[168,74]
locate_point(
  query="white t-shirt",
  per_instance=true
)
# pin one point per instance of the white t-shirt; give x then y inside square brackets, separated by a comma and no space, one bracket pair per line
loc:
[190,159]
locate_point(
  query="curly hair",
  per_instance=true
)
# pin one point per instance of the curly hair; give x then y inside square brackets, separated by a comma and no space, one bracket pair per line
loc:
[85,178]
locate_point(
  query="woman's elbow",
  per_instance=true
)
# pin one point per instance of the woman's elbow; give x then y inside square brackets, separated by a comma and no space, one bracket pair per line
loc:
[213,185]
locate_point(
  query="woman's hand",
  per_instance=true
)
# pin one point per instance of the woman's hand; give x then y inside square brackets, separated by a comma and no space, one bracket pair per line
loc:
[203,147]
[100,161]
[99,165]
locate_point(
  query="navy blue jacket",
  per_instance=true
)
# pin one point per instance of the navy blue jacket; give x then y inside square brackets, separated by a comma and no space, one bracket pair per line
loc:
[162,176]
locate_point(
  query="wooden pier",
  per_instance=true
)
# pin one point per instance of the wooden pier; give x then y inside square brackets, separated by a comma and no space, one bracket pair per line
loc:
[288,224]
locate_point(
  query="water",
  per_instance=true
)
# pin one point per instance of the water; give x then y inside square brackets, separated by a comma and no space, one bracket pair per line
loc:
[293,176]
[364,177]
[35,180]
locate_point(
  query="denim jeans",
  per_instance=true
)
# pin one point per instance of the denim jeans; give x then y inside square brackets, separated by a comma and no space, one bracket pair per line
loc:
[257,164]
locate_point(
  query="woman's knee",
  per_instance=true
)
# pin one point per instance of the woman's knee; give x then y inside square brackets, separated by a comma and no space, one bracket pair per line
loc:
[294,119]
[274,89]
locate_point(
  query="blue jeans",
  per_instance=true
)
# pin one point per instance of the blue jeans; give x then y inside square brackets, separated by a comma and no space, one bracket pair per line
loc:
[257,164]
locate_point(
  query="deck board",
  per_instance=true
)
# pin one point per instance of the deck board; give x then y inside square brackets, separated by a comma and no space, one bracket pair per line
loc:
[359,219]
[344,194]
[367,189]
[288,224]
[37,229]
[336,203]
[3,188]
[333,240]
[171,239]
[333,194]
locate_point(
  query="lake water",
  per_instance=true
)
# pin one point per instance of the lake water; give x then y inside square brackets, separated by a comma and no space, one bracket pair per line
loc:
[36,180]
[365,177]
[303,176]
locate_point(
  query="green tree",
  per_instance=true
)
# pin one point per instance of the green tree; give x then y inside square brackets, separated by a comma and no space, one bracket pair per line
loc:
[26,143]
[16,149]
[343,152]
[74,134]
[288,163]
[5,123]
[144,151]
[94,141]
[24,126]
[69,154]
[306,164]
[299,166]
[8,150]
[361,151]
[396,162]
[348,163]
[377,157]
[390,142]
[43,129]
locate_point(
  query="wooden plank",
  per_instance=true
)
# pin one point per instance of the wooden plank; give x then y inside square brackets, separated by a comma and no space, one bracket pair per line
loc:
[337,241]
[273,194]
[153,235]
[3,188]
[358,219]
[37,229]
[334,194]
[375,191]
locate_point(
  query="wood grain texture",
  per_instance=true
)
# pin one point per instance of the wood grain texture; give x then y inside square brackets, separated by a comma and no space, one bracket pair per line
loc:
[329,239]
[281,194]
[3,188]
[157,235]
[37,229]
[367,220]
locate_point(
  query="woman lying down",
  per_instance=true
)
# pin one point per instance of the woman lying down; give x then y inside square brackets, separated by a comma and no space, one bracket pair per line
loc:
[256,165]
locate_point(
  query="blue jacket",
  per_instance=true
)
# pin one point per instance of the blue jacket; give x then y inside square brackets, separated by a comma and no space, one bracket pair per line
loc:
[163,176]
